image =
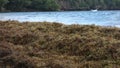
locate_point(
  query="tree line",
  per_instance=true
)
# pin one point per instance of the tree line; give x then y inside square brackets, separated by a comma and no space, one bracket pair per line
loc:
[90,4]
[55,5]
[28,5]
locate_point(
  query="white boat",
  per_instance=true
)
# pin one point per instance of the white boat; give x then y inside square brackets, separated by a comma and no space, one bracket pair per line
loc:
[95,10]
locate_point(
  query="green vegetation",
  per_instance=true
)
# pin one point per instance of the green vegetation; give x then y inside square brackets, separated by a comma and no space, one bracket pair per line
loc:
[2,4]
[55,45]
[45,5]
[32,5]
[90,4]
[55,5]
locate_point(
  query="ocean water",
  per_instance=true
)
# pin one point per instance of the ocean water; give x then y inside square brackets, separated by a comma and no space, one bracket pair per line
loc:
[102,18]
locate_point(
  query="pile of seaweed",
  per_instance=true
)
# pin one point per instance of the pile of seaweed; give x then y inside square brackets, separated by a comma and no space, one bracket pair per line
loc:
[55,45]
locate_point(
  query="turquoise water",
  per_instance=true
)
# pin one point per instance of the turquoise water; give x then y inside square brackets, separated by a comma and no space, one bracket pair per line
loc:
[103,18]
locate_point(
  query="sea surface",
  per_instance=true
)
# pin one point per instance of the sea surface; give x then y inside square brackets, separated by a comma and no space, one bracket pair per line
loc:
[102,18]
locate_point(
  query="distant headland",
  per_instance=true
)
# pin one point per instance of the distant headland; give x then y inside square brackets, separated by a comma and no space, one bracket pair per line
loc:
[57,5]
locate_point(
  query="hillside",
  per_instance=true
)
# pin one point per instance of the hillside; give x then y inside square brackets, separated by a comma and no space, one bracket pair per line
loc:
[55,45]
[58,5]
[89,4]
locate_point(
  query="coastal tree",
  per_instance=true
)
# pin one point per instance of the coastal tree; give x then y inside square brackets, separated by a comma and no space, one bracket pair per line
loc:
[51,5]
[18,5]
[2,4]
[44,5]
